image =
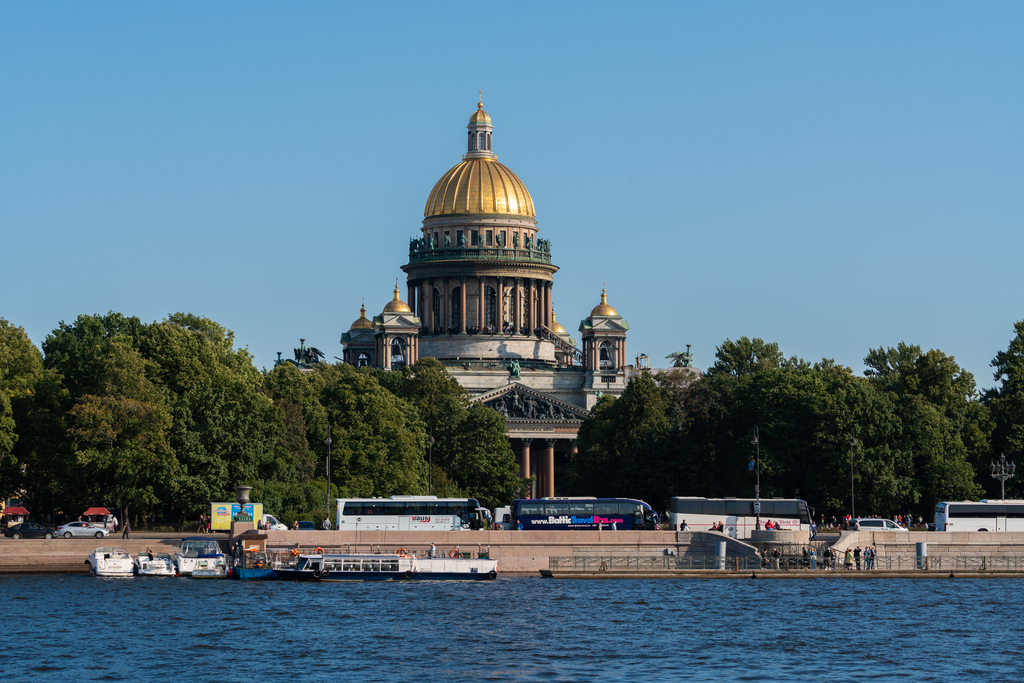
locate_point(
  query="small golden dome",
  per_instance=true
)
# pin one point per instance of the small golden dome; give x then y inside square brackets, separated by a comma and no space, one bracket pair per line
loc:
[396,305]
[479,186]
[603,308]
[555,327]
[363,323]
[480,116]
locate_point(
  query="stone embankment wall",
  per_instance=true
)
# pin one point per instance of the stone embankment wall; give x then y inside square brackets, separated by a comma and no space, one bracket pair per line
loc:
[516,551]
[969,543]
[67,555]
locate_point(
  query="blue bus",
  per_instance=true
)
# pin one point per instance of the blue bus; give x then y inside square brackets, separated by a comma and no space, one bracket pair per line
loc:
[582,513]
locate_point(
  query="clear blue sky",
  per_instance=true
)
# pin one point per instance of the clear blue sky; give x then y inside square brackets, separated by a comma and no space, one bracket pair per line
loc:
[829,176]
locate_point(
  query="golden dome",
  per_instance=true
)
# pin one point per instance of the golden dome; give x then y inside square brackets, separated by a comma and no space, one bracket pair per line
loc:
[363,323]
[397,305]
[603,308]
[555,327]
[480,116]
[479,186]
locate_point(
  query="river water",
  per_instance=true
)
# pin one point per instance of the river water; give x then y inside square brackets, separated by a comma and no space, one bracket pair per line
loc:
[515,629]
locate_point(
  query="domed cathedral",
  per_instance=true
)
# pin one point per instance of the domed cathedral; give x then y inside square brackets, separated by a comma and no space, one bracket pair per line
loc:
[480,299]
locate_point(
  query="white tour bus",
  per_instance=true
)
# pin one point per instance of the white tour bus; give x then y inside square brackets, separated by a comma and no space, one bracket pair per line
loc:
[984,515]
[737,514]
[410,513]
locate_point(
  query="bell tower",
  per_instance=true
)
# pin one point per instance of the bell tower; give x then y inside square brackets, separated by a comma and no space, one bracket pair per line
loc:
[604,352]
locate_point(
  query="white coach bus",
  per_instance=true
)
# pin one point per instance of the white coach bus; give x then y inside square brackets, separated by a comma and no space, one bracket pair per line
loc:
[410,513]
[983,515]
[738,514]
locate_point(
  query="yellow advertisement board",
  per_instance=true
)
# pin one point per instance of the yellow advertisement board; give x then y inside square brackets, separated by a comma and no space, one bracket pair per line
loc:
[222,514]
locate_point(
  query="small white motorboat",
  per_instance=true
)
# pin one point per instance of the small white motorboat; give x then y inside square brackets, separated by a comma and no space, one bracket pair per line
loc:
[155,564]
[187,555]
[110,562]
[212,566]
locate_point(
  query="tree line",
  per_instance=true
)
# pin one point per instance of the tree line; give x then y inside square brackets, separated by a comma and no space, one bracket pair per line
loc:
[915,427]
[157,420]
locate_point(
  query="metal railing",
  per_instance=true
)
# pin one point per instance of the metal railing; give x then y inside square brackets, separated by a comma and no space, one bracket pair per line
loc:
[704,562]
[478,254]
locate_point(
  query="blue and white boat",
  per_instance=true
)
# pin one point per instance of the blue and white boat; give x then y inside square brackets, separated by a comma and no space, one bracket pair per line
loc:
[387,567]
[197,550]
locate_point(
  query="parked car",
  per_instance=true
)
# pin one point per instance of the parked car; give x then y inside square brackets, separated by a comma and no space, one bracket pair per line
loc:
[876,524]
[30,530]
[81,529]
[306,526]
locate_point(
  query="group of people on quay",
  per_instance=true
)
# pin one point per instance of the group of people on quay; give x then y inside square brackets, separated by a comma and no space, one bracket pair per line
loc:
[853,559]
[847,522]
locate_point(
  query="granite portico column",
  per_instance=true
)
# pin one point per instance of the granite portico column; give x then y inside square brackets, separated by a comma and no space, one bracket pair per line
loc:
[548,463]
[412,296]
[530,308]
[430,306]
[517,310]
[462,304]
[500,322]
[445,315]
[547,304]
[480,302]
[524,458]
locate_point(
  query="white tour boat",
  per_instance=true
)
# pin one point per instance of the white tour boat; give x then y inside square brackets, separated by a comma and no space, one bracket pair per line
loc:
[155,564]
[110,562]
[387,567]
[188,554]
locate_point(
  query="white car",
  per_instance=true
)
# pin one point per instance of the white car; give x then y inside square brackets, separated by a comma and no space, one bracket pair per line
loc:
[876,524]
[81,530]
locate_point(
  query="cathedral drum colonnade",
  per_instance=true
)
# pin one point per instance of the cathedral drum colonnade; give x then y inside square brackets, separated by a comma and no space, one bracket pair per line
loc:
[479,287]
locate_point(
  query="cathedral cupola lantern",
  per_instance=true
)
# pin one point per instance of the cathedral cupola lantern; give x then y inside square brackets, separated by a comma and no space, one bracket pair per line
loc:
[479,135]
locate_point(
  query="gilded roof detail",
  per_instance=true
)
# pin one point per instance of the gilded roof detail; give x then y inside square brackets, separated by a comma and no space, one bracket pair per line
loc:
[479,186]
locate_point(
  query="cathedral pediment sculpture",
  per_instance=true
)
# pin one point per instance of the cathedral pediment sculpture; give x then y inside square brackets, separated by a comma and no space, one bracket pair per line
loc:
[519,403]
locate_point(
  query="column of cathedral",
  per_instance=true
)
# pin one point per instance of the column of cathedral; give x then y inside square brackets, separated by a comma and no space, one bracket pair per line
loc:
[462,304]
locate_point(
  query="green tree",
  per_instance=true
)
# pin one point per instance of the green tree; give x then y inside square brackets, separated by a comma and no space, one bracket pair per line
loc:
[225,428]
[378,439]
[470,443]
[620,443]
[1006,403]
[745,357]
[944,429]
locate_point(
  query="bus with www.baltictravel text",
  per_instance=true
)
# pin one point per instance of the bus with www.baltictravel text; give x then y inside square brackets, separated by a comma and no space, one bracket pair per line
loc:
[581,513]
[739,515]
[410,513]
[983,515]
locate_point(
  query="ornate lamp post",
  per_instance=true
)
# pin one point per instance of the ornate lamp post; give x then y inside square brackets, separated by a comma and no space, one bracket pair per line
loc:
[328,442]
[1002,471]
[756,441]
[853,442]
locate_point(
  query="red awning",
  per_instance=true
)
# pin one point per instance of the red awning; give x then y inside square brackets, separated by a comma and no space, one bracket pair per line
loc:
[15,511]
[96,511]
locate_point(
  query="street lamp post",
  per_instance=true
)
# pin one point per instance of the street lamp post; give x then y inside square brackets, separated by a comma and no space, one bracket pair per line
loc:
[756,441]
[327,505]
[853,512]
[1003,471]
[430,462]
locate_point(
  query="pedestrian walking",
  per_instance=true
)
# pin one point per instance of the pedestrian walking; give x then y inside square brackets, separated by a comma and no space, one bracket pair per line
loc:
[849,559]
[775,557]
[327,524]
[127,530]
[814,558]
[856,556]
